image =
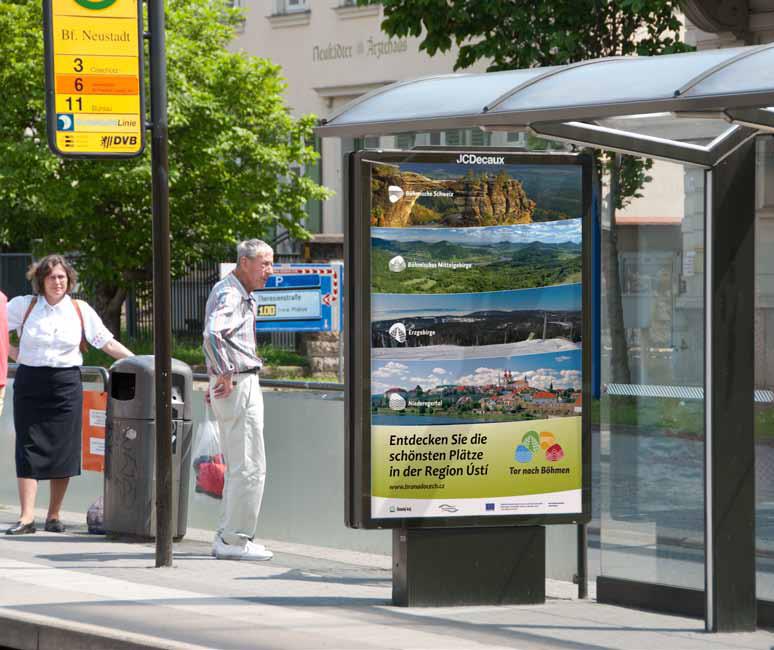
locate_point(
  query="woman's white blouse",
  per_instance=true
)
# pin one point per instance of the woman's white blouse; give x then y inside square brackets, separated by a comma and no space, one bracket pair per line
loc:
[52,333]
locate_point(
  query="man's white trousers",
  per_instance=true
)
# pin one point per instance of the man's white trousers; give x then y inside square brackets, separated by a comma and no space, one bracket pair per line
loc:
[240,419]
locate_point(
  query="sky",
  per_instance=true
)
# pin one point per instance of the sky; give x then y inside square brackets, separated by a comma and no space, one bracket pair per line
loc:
[384,306]
[548,232]
[562,369]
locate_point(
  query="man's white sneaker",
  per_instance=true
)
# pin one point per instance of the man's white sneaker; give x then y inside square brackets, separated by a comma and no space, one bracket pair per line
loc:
[250,551]
[218,540]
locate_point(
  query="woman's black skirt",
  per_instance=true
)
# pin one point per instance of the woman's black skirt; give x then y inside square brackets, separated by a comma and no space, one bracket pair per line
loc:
[47,405]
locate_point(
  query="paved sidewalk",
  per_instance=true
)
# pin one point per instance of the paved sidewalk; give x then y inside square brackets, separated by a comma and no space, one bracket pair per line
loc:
[80,591]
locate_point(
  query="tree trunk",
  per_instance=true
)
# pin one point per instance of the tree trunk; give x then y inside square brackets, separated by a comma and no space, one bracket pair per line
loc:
[619,358]
[624,448]
[108,302]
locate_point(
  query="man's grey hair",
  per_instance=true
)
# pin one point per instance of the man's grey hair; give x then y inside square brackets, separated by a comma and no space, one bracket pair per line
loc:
[251,248]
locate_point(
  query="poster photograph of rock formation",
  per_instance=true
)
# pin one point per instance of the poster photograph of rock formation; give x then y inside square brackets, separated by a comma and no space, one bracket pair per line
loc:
[461,260]
[460,196]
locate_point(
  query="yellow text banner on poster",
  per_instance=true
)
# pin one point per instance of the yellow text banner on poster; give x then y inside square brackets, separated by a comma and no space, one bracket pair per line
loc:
[476,460]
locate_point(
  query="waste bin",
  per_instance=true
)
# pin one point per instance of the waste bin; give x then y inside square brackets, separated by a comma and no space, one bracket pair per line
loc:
[130,448]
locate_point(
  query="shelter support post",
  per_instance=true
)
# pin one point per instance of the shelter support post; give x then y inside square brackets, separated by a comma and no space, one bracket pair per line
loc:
[729,383]
[468,566]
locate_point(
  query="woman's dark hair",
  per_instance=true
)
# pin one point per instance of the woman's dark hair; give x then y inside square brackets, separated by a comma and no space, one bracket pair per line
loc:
[39,270]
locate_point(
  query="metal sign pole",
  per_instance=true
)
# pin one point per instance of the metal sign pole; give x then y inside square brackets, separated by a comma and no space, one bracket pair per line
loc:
[162,292]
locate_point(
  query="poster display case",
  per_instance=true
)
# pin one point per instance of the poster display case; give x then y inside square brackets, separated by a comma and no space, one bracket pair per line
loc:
[466,321]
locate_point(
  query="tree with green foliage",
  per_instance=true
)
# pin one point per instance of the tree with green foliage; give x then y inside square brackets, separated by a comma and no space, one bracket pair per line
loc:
[513,34]
[233,146]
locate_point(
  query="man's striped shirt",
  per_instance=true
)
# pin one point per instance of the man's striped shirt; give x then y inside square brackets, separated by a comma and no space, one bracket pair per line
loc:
[229,328]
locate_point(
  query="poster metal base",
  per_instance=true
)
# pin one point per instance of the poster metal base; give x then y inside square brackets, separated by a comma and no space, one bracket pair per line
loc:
[468,566]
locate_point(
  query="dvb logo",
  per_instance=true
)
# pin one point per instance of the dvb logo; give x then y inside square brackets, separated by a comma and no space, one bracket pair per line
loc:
[118,141]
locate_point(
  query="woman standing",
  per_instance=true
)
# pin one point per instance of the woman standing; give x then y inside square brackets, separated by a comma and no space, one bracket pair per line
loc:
[47,395]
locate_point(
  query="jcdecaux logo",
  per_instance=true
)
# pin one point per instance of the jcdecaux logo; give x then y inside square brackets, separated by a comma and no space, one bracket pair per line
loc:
[95,4]
[473,159]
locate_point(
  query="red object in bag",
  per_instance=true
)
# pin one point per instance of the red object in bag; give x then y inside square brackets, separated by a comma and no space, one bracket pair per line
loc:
[210,475]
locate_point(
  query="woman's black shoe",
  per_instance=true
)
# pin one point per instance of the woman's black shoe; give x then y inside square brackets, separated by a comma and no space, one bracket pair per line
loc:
[21,529]
[54,526]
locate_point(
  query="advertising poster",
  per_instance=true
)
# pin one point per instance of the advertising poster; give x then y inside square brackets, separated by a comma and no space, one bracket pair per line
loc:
[476,337]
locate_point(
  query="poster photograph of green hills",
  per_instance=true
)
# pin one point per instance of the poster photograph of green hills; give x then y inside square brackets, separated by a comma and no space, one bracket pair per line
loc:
[461,260]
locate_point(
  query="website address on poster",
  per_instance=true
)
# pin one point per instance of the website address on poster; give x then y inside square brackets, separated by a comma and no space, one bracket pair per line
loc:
[420,486]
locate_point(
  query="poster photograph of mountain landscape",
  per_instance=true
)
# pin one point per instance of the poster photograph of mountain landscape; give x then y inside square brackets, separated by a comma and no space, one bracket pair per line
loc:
[468,324]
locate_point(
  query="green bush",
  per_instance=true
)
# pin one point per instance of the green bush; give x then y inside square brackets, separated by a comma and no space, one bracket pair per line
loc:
[189,350]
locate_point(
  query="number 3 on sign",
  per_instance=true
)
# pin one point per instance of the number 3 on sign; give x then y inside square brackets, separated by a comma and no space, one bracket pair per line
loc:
[78,65]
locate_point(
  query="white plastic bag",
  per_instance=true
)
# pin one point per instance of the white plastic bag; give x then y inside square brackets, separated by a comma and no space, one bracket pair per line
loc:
[208,463]
[95,518]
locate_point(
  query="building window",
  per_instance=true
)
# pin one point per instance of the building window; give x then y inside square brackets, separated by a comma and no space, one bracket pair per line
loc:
[405,140]
[349,9]
[371,142]
[453,138]
[290,6]
[289,13]
[517,137]
[479,138]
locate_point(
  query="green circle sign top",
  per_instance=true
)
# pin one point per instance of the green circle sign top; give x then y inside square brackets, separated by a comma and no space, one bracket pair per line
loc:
[95,4]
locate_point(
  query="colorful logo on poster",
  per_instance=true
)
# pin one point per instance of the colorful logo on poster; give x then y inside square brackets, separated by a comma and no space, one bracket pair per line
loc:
[533,442]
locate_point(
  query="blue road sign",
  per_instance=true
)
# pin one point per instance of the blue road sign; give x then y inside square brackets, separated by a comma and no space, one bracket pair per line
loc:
[301,298]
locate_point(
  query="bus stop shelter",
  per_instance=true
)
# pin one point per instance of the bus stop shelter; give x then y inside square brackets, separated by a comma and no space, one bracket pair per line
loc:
[704,110]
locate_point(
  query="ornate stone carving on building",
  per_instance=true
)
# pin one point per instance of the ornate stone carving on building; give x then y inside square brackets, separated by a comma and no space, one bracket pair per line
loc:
[715,16]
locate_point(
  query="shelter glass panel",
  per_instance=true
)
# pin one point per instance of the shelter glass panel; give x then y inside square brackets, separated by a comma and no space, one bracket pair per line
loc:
[651,416]
[764,369]
[751,73]
[464,94]
[668,127]
[624,79]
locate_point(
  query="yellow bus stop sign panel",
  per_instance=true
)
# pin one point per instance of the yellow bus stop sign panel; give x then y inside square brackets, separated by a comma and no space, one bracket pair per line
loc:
[94,84]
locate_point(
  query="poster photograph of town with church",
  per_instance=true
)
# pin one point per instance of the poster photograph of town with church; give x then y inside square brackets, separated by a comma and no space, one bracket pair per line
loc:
[495,389]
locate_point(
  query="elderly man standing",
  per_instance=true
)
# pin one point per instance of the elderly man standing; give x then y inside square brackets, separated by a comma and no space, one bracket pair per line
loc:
[235,395]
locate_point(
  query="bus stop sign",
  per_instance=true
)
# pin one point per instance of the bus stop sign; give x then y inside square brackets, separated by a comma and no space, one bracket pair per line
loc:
[94,78]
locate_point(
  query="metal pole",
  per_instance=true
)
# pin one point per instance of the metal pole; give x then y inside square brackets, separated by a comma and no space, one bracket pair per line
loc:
[162,292]
[583,562]
[341,357]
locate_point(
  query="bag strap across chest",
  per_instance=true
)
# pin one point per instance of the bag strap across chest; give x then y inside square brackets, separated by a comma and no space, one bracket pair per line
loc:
[84,346]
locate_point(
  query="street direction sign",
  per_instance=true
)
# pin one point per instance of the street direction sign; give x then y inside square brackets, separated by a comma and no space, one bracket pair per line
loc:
[94,78]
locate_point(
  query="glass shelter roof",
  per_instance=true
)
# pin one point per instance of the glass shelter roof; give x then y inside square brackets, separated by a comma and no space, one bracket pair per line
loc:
[695,107]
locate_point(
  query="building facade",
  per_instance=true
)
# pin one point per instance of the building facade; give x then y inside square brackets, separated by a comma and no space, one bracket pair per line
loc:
[332,52]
